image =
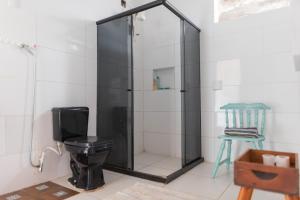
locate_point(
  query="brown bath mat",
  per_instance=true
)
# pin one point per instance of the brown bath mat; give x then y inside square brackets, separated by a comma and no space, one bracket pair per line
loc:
[43,191]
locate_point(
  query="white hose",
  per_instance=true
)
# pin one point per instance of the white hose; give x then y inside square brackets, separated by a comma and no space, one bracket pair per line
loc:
[33,104]
[30,51]
[57,151]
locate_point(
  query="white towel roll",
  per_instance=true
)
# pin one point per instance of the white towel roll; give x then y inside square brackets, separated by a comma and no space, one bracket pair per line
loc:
[283,161]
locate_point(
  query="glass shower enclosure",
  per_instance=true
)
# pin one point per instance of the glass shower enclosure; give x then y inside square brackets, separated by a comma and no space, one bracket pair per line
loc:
[148,96]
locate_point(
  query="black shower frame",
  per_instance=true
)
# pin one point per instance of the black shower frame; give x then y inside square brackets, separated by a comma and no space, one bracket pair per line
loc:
[147,7]
[190,165]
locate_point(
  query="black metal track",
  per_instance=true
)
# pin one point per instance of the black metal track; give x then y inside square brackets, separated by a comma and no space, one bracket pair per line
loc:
[155,178]
[183,170]
[179,14]
[147,7]
[135,173]
[132,11]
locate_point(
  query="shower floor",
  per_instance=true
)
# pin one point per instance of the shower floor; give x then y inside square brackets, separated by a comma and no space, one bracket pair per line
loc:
[156,164]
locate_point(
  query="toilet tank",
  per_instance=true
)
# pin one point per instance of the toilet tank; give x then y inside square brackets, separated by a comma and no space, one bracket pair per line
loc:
[69,122]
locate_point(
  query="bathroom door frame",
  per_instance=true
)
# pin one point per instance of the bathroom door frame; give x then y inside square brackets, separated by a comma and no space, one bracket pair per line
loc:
[185,167]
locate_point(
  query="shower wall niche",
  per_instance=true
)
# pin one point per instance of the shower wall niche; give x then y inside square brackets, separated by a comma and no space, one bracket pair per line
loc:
[149,91]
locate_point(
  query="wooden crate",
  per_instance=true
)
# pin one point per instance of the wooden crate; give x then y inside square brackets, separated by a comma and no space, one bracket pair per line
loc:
[250,172]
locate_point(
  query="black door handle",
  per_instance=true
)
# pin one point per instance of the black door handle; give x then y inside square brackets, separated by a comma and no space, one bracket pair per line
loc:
[182,91]
[129,90]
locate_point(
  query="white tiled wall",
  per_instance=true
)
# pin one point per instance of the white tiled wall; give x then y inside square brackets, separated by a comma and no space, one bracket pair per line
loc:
[66,39]
[138,77]
[253,59]
[157,113]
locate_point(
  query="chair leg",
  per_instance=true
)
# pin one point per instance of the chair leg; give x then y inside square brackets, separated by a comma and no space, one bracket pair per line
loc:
[289,197]
[229,142]
[261,145]
[245,193]
[218,160]
[254,145]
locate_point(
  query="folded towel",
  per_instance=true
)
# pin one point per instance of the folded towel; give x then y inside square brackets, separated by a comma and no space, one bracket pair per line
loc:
[242,132]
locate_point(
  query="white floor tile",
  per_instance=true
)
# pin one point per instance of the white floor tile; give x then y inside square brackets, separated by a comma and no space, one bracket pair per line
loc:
[169,163]
[233,191]
[156,171]
[111,188]
[156,164]
[83,196]
[148,158]
[205,170]
[201,186]
[196,182]
[148,192]
[138,166]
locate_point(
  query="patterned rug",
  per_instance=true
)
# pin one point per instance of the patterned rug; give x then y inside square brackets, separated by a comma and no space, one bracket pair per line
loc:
[43,191]
[141,191]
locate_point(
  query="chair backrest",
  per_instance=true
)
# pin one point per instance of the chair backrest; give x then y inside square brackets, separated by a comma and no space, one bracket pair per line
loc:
[245,115]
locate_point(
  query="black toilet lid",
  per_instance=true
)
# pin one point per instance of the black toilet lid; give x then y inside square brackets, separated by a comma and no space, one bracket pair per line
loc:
[90,141]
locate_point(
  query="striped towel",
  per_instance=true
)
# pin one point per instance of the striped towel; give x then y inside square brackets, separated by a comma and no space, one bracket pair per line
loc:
[242,132]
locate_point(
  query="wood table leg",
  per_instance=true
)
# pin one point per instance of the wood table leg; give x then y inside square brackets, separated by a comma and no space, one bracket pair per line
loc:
[290,197]
[245,193]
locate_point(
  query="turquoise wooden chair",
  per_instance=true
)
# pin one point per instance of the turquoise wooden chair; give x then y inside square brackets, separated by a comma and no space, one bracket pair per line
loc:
[254,115]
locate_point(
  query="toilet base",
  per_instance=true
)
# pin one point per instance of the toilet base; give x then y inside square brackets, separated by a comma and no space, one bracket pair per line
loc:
[87,178]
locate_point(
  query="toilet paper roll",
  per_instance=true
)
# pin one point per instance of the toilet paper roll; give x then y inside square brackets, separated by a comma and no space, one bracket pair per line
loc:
[268,159]
[282,161]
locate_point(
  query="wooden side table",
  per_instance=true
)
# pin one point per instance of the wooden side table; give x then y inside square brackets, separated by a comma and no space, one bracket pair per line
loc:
[246,194]
[250,174]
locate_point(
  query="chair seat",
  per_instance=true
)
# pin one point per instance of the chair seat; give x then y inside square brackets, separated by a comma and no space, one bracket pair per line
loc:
[241,138]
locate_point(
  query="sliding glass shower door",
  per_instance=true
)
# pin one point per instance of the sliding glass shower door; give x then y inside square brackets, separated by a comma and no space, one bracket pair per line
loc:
[191,93]
[114,104]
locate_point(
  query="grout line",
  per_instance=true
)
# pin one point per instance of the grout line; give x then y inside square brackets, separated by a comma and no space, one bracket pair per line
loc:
[266,141]
[210,86]
[152,154]
[61,82]
[81,55]
[156,162]
[223,112]
[226,189]
[146,132]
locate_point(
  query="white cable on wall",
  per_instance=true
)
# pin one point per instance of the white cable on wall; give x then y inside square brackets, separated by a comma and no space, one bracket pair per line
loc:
[7,41]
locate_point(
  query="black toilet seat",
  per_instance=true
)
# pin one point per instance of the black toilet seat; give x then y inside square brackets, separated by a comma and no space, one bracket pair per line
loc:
[89,144]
